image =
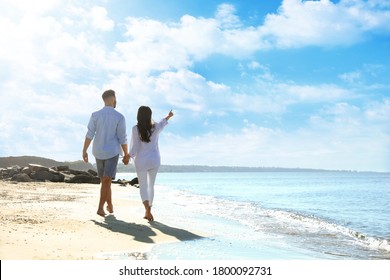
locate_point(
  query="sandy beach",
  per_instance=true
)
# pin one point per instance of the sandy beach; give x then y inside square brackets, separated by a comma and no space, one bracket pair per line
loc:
[58,221]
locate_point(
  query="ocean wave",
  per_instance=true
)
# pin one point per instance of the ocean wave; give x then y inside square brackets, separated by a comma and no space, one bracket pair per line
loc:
[372,242]
[281,223]
[324,227]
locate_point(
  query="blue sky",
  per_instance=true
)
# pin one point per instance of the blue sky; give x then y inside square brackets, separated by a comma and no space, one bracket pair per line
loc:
[252,83]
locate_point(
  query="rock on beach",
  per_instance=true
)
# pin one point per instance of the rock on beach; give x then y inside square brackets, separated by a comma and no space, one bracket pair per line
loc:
[40,173]
[57,174]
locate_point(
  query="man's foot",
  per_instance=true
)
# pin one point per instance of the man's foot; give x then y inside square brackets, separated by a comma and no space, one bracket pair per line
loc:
[101,213]
[110,209]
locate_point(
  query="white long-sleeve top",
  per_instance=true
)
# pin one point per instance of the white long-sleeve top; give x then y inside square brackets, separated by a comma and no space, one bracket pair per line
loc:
[146,155]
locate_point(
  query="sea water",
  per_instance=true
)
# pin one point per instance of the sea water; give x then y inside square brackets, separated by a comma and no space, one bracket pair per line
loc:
[274,215]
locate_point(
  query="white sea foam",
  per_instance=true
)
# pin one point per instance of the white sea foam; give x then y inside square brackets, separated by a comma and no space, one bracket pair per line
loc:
[280,223]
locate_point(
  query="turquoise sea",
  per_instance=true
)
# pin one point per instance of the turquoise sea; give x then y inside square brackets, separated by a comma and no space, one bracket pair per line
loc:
[275,215]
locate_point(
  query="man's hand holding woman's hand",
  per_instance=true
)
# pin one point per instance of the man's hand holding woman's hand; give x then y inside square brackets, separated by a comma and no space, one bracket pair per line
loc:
[126,159]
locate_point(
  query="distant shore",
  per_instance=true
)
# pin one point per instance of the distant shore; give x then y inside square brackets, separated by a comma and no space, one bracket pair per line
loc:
[80,165]
[58,221]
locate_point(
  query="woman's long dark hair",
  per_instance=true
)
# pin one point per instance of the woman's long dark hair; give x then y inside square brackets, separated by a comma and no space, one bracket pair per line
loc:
[145,125]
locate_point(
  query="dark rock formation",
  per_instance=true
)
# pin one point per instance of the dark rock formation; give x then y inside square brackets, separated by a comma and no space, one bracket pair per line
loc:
[133,182]
[82,178]
[61,173]
[92,172]
[40,173]
[21,177]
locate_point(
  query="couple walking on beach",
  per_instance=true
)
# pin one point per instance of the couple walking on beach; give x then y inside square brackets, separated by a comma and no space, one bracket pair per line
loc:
[107,129]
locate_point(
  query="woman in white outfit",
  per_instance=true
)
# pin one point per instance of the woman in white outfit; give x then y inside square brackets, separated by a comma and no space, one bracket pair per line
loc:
[144,150]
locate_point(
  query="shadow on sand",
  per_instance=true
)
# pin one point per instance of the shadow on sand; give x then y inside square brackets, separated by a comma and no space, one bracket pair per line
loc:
[143,233]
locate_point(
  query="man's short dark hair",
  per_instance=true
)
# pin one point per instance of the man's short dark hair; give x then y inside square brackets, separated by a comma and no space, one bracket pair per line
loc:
[108,93]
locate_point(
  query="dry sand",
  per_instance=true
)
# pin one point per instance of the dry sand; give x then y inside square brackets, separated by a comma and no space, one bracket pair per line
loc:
[58,221]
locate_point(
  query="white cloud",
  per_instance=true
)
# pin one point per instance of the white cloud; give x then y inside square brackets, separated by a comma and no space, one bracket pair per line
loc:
[338,143]
[56,62]
[152,45]
[317,93]
[253,65]
[379,112]
[323,23]
[58,138]
[182,90]
[351,77]
[225,15]
[100,20]
[341,118]
[191,92]
[21,7]
[38,46]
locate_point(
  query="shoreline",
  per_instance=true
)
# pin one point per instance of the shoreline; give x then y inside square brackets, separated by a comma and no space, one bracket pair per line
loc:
[58,221]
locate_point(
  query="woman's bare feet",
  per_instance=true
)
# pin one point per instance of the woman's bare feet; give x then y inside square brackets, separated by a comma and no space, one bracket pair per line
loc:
[149,217]
[148,211]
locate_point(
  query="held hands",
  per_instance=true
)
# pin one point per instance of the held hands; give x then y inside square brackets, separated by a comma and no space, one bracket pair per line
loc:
[126,159]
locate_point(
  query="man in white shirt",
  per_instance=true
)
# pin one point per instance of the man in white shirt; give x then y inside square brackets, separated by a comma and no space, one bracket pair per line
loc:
[107,129]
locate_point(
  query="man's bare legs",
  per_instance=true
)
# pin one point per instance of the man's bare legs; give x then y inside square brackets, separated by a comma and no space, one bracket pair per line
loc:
[148,211]
[105,196]
[110,207]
